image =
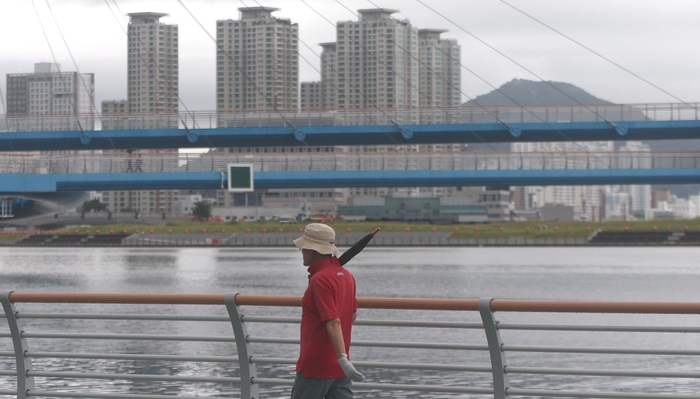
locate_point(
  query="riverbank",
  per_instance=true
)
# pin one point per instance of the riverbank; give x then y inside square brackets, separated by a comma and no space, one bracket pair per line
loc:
[347,239]
[498,231]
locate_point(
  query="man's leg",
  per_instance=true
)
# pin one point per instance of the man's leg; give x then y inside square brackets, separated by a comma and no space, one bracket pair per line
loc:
[341,389]
[310,388]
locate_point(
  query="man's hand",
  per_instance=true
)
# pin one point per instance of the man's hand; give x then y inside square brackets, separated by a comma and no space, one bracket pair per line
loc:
[349,369]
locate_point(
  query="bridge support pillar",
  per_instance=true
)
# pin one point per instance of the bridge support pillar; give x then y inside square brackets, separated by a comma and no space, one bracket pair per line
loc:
[25,383]
[498,358]
[249,390]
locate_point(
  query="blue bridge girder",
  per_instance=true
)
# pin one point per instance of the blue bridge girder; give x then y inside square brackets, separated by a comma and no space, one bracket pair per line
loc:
[348,135]
[41,183]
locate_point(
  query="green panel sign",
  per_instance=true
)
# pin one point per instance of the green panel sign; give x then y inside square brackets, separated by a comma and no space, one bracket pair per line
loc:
[240,177]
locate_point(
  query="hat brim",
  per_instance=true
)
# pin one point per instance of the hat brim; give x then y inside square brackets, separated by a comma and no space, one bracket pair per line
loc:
[323,249]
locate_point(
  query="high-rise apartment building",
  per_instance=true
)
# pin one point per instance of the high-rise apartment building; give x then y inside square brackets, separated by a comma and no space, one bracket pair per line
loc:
[152,64]
[329,76]
[49,99]
[377,65]
[257,62]
[152,102]
[439,70]
[383,66]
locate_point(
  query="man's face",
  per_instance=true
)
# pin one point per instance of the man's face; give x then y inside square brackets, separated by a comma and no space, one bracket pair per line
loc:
[309,256]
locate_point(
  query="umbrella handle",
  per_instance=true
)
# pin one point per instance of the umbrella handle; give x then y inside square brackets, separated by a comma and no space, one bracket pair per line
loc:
[376,230]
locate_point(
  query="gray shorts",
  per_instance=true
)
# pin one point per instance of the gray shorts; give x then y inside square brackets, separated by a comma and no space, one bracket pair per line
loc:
[321,388]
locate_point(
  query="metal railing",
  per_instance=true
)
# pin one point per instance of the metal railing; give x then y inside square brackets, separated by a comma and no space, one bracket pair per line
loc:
[448,354]
[370,116]
[292,162]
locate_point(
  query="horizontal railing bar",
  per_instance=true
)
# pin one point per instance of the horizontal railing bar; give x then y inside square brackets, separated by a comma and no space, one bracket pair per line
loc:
[266,319]
[382,323]
[569,327]
[5,354]
[12,393]
[404,366]
[388,387]
[118,356]
[500,305]
[6,373]
[123,316]
[133,377]
[600,373]
[426,324]
[600,350]
[56,394]
[161,299]
[379,344]
[497,305]
[593,394]
[370,303]
[142,337]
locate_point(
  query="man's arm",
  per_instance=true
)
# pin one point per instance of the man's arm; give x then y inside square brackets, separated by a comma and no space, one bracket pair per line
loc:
[354,317]
[335,332]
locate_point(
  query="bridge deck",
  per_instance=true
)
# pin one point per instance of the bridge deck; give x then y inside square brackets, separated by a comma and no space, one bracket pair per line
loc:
[203,129]
[44,173]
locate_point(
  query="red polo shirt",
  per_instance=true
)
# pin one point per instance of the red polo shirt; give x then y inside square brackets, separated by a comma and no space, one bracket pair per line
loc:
[331,295]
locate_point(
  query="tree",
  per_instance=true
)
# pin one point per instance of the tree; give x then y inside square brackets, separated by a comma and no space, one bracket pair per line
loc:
[94,206]
[201,210]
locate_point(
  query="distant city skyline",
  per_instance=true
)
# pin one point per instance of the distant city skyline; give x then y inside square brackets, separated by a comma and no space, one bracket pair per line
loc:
[649,38]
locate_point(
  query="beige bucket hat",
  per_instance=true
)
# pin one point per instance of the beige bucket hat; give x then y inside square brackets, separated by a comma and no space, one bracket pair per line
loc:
[318,237]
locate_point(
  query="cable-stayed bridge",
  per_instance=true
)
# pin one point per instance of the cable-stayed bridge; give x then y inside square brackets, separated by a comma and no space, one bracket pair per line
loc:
[61,173]
[363,127]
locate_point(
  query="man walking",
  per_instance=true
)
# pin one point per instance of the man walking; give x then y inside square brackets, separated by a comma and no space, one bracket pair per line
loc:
[329,308]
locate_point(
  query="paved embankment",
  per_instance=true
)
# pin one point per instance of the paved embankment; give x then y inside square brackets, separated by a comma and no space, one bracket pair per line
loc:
[342,239]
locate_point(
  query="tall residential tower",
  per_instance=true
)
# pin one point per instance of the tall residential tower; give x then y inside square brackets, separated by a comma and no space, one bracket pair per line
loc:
[257,62]
[152,66]
[152,89]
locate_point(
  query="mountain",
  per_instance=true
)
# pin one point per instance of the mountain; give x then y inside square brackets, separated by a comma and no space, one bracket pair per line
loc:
[529,92]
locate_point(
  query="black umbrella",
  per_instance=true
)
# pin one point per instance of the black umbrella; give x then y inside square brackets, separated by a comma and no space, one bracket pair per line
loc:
[357,248]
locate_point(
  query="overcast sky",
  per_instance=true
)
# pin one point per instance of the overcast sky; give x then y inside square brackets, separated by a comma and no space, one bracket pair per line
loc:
[658,40]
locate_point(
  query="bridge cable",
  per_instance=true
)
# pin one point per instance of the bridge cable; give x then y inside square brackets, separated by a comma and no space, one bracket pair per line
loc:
[599,55]
[2,102]
[412,86]
[534,114]
[162,75]
[369,116]
[245,76]
[80,75]
[516,63]
[41,24]
[53,55]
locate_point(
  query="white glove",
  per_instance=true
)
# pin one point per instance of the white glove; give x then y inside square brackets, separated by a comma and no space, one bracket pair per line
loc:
[349,369]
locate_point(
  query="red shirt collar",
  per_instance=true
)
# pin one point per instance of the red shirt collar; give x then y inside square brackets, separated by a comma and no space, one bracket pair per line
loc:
[322,264]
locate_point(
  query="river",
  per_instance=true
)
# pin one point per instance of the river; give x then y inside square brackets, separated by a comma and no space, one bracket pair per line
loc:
[598,274]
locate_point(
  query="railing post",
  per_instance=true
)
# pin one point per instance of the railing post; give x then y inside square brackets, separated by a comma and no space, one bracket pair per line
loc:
[249,390]
[498,357]
[25,383]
